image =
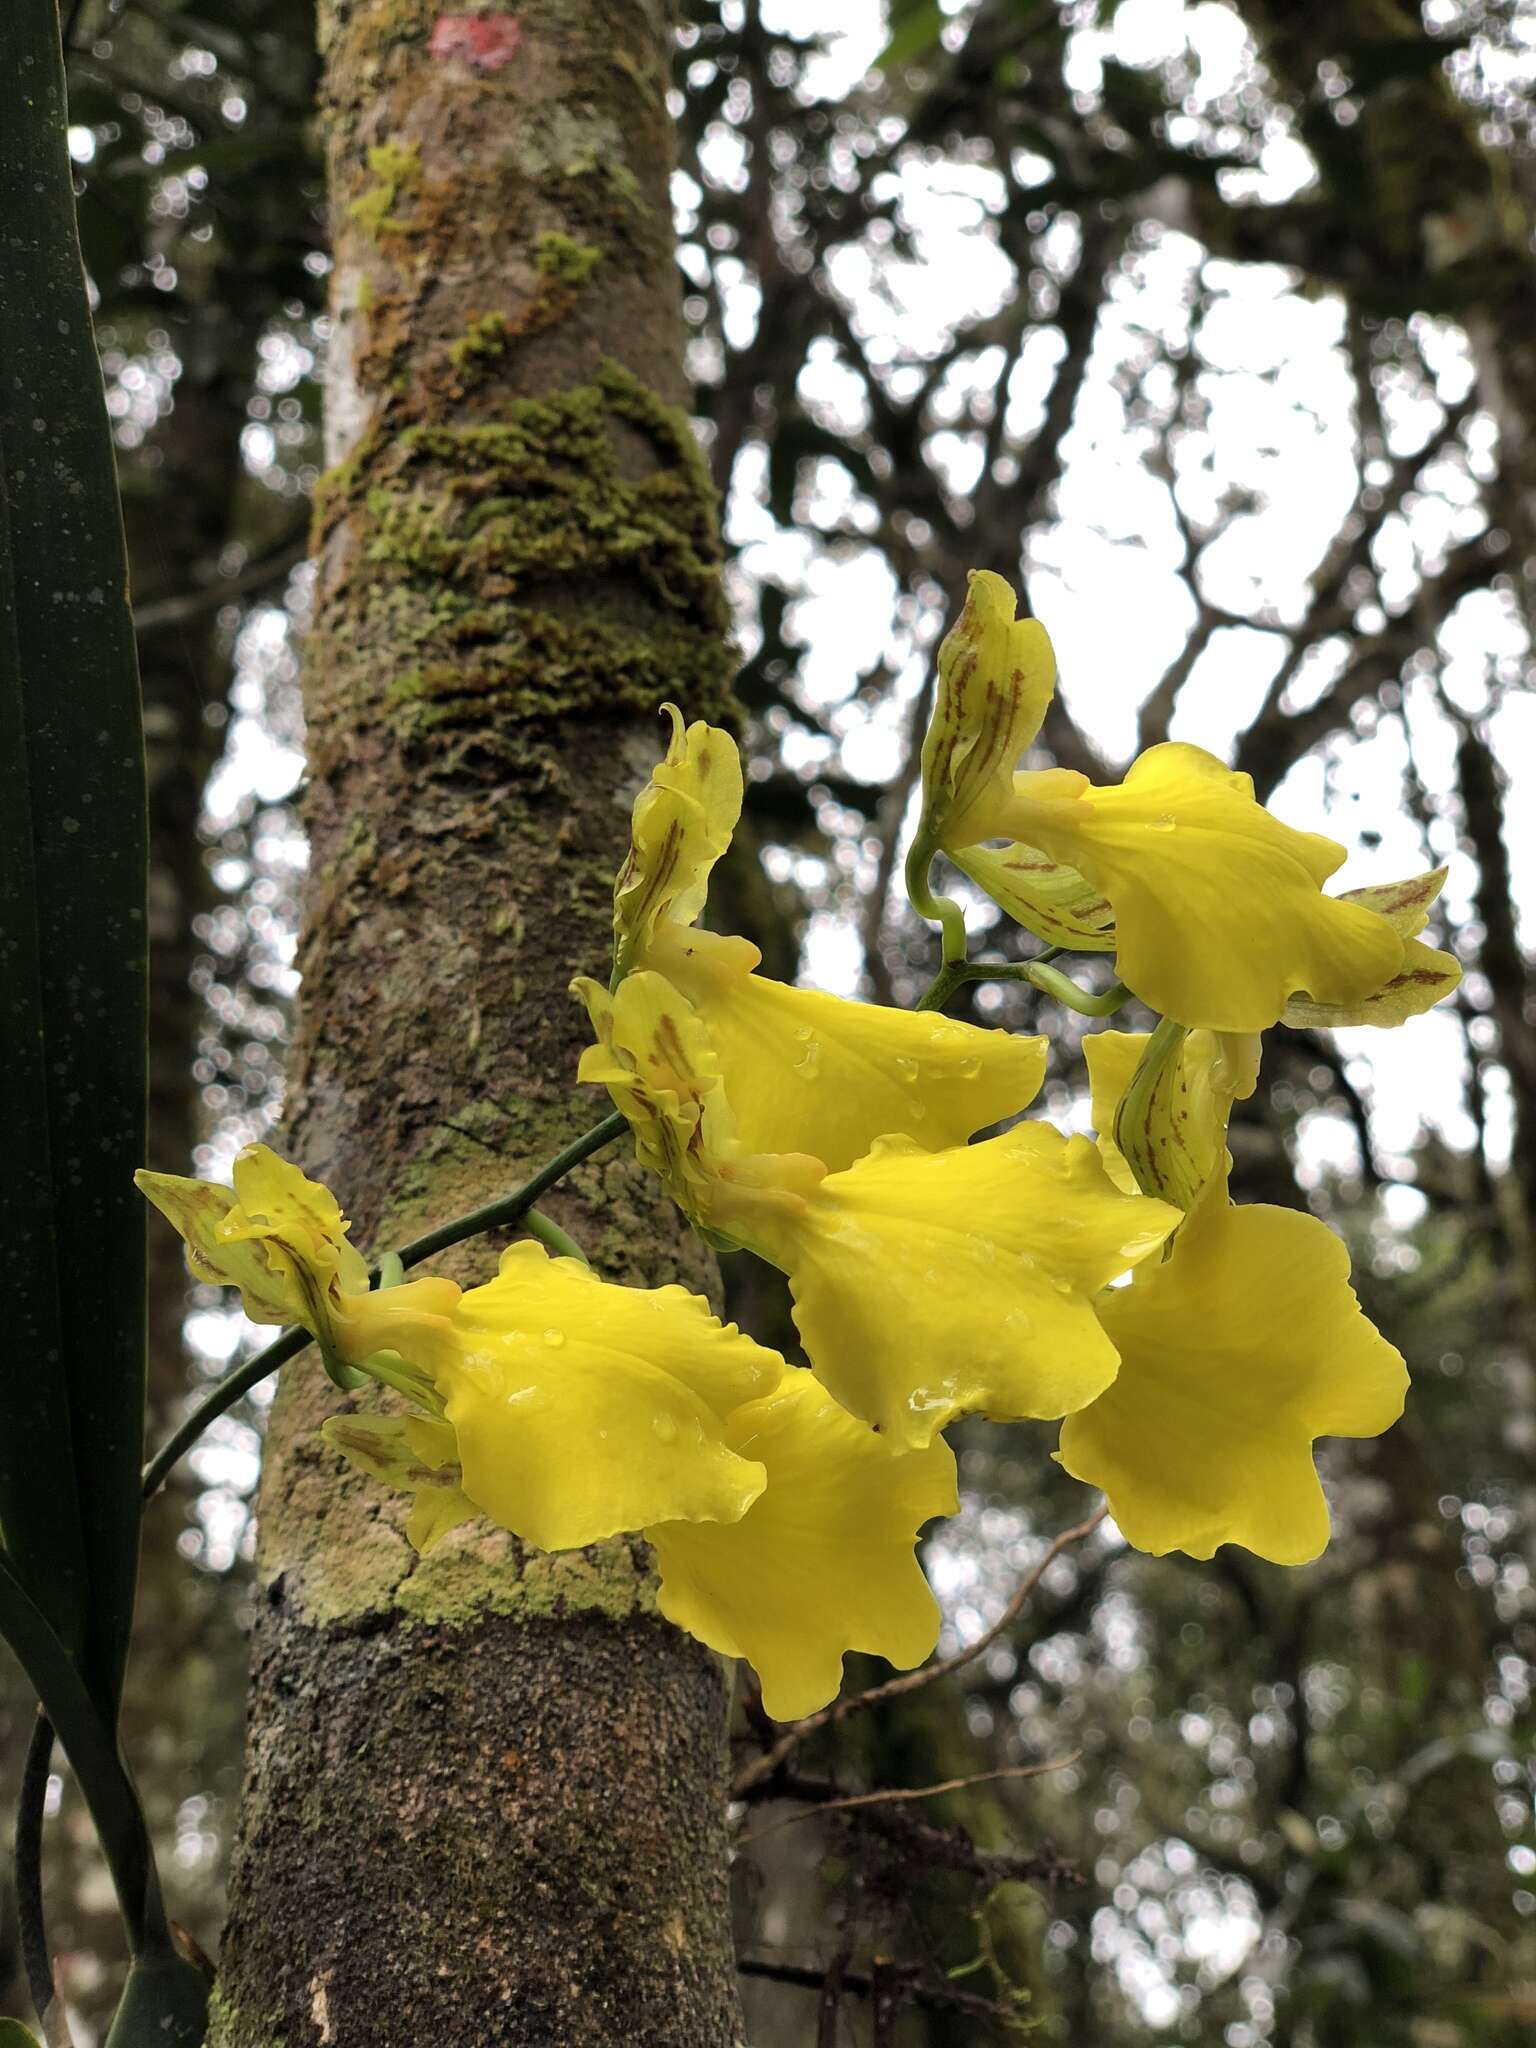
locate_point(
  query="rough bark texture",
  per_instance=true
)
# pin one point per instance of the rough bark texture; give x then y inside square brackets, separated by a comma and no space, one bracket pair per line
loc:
[484,1791]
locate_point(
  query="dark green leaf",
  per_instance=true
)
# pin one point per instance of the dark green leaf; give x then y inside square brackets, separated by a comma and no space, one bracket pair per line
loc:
[164,2005]
[91,1745]
[40,1530]
[73,798]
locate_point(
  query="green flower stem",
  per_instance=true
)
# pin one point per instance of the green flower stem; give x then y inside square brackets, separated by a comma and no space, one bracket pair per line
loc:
[1051,982]
[224,1395]
[956,973]
[495,1215]
[512,1208]
[549,1233]
[943,911]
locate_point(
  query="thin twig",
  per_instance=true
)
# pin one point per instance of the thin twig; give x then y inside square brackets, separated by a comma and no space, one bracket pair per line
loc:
[906,1792]
[463,1131]
[890,1982]
[888,824]
[160,612]
[829,2005]
[933,1848]
[762,1768]
[928,1997]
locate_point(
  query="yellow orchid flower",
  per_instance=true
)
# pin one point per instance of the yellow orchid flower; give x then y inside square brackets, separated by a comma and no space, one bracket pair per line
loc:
[660,1068]
[997,675]
[1213,908]
[1161,1103]
[282,1240]
[1218,908]
[783,1529]
[811,1070]
[1426,974]
[822,1561]
[801,1064]
[582,1408]
[1236,1352]
[574,1408]
[682,823]
[928,1285]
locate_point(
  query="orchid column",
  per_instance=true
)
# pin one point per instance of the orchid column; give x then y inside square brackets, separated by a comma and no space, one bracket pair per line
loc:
[483,1794]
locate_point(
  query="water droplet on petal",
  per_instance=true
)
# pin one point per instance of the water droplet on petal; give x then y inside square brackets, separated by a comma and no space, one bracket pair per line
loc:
[1163,824]
[969,1067]
[808,1066]
[804,1033]
[907,1069]
[665,1428]
[1062,1286]
[554,1338]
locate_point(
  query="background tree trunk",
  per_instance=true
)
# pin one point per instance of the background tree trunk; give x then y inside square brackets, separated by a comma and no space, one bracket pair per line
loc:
[484,1790]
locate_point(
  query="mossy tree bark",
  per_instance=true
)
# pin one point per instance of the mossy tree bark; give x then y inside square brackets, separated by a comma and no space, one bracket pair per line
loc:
[484,1797]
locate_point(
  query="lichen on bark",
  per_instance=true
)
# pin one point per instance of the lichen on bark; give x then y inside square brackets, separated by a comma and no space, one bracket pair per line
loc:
[489,546]
[484,1797]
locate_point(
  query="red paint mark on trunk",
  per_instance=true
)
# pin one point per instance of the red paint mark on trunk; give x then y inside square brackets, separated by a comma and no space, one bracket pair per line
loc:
[484,41]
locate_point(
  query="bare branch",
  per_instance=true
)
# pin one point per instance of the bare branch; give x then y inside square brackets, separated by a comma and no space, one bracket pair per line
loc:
[927,1997]
[901,1793]
[763,1768]
[934,1848]
[1267,749]
[257,576]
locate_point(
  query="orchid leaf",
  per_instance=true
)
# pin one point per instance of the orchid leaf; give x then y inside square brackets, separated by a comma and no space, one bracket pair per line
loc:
[72,902]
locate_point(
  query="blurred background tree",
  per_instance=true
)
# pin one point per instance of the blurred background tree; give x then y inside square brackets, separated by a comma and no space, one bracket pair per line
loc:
[1212,326]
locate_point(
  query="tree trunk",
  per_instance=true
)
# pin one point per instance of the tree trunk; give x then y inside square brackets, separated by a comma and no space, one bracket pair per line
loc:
[484,1795]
